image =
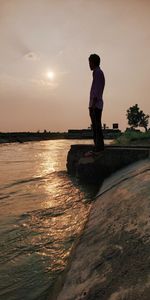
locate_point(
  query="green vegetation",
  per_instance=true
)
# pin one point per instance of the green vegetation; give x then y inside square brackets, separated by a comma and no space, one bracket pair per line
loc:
[137,118]
[134,138]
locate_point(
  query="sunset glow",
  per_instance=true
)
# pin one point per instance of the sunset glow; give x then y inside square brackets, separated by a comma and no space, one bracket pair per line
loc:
[45,59]
[50,75]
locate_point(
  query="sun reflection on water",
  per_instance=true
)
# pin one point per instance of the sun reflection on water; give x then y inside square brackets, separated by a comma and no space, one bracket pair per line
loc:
[48,211]
[49,159]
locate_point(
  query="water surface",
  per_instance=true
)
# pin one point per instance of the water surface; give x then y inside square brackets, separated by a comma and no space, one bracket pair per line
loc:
[42,212]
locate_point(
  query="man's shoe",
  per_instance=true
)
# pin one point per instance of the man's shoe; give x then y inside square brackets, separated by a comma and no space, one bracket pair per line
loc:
[98,153]
[88,154]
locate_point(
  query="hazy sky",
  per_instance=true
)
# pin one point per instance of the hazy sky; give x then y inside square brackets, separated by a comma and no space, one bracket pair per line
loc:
[41,36]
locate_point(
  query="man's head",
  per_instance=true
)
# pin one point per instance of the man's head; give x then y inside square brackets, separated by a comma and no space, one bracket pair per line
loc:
[94,61]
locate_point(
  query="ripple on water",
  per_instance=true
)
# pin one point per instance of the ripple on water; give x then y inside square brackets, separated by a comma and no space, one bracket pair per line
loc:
[36,243]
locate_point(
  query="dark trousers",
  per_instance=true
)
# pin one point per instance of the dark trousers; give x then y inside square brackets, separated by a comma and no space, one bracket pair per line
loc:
[96,115]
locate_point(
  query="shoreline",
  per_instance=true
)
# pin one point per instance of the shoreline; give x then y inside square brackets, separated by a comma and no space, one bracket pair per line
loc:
[22,137]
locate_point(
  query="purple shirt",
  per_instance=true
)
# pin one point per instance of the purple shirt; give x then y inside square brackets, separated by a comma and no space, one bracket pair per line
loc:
[97,88]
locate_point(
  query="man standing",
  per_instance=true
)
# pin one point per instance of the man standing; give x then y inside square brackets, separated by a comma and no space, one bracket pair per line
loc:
[96,102]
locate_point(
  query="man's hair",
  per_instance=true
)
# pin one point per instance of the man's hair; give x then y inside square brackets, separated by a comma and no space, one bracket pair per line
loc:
[95,59]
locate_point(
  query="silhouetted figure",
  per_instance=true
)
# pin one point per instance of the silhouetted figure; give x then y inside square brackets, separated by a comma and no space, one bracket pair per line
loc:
[96,101]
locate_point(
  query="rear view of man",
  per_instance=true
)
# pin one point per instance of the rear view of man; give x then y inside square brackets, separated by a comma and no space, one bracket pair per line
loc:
[96,102]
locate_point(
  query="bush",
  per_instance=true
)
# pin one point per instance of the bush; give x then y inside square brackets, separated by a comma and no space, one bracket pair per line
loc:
[131,136]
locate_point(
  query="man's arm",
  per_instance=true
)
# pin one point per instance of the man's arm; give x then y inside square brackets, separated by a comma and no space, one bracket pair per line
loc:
[98,88]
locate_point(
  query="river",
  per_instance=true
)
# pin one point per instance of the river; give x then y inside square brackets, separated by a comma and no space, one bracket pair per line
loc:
[42,212]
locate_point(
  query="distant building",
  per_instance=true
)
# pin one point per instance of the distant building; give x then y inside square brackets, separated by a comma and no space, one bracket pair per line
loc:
[88,133]
[80,133]
[115,126]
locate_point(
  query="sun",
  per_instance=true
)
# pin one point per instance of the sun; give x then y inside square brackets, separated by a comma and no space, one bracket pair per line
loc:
[50,75]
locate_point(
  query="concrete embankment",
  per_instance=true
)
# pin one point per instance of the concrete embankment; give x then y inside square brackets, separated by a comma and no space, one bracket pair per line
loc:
[96,169]
[112,258]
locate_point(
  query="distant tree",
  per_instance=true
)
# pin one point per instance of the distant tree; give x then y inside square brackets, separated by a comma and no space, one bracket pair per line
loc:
[136,117]
[144,120]
[133,116]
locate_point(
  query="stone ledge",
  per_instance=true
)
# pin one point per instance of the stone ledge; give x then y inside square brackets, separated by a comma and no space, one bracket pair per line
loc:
[95,169]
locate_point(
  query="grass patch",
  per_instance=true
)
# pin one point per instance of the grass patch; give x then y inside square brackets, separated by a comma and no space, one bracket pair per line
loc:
[133,137]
